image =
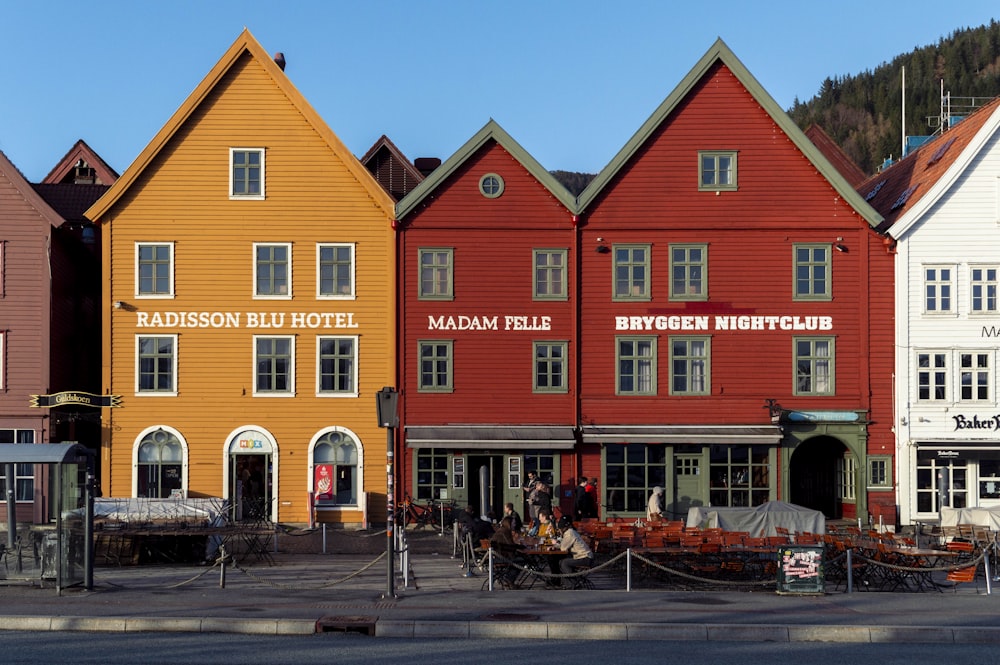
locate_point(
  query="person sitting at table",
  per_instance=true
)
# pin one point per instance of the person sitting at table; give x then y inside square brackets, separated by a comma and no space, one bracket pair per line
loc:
[546,527]
[516,525]
[503,542]
[654,508]
[571,542]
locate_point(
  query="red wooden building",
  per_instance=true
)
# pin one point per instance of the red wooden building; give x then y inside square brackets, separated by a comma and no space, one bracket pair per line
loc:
[735,314]
[488,331]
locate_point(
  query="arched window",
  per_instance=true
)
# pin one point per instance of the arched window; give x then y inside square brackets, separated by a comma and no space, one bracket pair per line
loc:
[335,476]
[160,460]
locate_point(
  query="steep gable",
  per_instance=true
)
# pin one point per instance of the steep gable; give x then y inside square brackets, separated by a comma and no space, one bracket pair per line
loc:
[719,58]
[81,166]
[491,132]
[246,46]
[391,168]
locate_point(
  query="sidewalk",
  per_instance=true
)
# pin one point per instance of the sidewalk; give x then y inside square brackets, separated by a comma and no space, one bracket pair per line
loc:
[305,592]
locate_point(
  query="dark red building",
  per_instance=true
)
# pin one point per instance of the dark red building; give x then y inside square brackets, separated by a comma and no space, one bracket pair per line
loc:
[735,314]
[488,330]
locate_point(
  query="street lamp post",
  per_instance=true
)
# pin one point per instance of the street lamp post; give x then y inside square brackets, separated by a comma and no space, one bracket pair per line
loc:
[386,401]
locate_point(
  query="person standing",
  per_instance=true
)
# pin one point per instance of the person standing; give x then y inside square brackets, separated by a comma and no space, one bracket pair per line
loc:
[529,490]
[592,493]
[654,508]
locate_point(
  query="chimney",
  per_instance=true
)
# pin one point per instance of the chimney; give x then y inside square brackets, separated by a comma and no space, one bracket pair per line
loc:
[426,164]
[279,59]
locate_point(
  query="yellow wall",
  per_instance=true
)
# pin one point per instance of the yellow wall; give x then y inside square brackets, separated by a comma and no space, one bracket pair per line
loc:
[311,196]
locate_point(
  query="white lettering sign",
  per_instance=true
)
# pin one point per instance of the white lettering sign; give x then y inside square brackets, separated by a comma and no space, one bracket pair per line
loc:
[262,320]
[728,322]
[508,322]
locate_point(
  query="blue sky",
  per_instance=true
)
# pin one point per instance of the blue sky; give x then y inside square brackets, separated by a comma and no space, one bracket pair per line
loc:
[571,81]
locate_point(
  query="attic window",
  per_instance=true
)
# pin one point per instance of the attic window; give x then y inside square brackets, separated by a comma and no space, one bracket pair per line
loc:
[491,185]
[717,170]
[83,173]
[939,153]
[246,173]
[872,194]
[901,201]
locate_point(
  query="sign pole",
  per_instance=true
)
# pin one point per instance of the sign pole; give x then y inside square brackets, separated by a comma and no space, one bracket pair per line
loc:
[386,401]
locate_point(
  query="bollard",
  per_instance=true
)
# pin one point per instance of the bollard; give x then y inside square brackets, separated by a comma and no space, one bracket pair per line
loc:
[628,569]
[324,537]
[222,567]
[490,573]
[850,571]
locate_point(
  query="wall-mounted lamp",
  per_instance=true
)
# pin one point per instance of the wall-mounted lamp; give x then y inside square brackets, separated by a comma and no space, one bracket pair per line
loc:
[921,419]
[118,304]
[840,248]
[602,249]
[903,421]
[773,409]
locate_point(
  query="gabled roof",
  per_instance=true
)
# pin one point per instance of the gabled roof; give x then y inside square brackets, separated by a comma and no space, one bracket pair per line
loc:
[835,155]
[719,52]
[907,189]
[24,188]
[490,132]
[71,200]
[391,168]
[244,44]
[65,170]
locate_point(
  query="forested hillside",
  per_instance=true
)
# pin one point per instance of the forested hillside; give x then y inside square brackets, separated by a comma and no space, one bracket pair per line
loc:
[862,112]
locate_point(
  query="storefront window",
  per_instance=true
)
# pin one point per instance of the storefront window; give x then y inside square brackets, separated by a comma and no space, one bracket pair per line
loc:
[740,476]
[432,473]
[24,474]
[941,481]
[159,465]
[335,460]
[632,471]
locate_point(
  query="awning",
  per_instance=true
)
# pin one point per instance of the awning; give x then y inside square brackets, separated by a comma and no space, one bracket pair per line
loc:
[769,434]
[490,437]
[42,453]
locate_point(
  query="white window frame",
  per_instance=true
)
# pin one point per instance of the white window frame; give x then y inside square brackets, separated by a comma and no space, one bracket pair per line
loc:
[932,369]
[987,285]
[974,371]
[170,286]
[290,392]
[268,296]
[247,197]
[354,370]
[938,284]
[139,392]
[351,294]
[135,456]
[360,467]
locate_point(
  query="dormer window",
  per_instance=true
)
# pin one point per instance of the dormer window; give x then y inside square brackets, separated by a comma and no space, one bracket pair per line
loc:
[246,173]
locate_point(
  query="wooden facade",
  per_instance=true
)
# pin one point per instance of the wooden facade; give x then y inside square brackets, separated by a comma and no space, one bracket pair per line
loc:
[717,313]
[50,335]
[484,217]
[221,364]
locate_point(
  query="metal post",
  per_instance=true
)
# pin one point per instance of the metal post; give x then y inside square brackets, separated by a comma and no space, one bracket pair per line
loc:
[491,568]
[850,572]
[628,569]
[386,401]
[390,555]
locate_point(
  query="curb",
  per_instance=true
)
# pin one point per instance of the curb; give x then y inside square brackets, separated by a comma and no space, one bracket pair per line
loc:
[389,628]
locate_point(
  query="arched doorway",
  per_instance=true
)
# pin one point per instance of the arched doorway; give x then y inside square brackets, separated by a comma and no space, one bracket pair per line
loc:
[812,475]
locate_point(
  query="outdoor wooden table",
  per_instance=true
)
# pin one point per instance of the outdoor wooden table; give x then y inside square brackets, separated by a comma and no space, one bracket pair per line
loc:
[541,562]
[924,558]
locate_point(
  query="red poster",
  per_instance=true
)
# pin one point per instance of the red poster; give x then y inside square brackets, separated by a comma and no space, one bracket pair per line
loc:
[324,482]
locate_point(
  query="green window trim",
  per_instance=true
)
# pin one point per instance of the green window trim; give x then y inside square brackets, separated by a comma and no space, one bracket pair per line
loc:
[814,366]
[811,271]
[880,472]
[717,170]
[635,365]
[549,279]
[631,272]
[436,279]
[690,366]
[435,366]
[491,185]
[550,367]
[689,272]
[337,366]
[274,366]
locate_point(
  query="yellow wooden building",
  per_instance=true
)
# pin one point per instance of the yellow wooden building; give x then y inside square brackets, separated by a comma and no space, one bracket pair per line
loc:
[248,307]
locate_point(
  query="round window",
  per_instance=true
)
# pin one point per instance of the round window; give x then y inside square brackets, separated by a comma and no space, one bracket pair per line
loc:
[491,185]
